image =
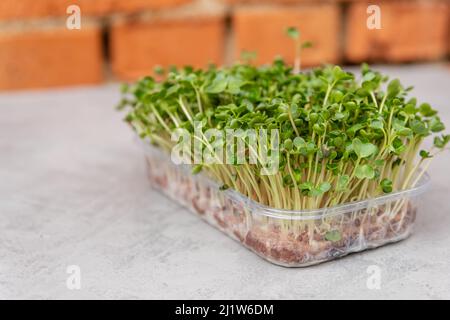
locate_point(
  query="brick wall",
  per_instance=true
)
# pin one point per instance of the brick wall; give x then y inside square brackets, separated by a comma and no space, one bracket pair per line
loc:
[123,40]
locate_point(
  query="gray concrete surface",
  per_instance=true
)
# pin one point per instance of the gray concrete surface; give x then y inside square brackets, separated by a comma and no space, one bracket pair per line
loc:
[73,192]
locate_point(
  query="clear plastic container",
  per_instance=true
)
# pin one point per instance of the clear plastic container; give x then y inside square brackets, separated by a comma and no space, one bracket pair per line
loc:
[286,237]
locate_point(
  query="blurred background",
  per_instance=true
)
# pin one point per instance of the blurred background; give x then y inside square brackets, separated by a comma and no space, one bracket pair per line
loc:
[73,190]
[123,40]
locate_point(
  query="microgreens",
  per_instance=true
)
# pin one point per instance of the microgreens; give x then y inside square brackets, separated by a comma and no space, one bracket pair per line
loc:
[343,138]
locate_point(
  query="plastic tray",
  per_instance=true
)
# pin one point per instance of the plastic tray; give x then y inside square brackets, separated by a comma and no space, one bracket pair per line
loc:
[286,237]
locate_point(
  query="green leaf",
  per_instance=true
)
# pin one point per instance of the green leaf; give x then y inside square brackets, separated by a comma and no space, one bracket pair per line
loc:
[159,70]
[386,185]
[340,74]
[337,96]
[362,92]
[350,105]
[370,85]
[394,88]
[294,110]
[297,175]
[425,154]
[320,190]
[218,85]
[364,171]
[307,44]
[315,192]
[363,150]
[355,128]
[197,168]
[377,124]
[369,76]
[299,142]
[173,90]
[419,128]
[324,187]
[339,116]
[306,186]
[410,109]
[342,183]
[426,110]
[234,85]
[401,130]
[436,125]
[288,144]
[379,162]
[124,88]
[397,146]
[333,235]
[441,142]
[248,56]
[338,142]
[283,117]
[293,32]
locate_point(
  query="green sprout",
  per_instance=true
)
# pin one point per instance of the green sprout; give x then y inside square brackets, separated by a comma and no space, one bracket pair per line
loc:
[294,34]
[248,56]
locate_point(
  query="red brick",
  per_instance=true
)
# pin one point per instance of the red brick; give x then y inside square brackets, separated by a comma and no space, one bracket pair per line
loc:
[136,47]
[410,31]
[448,30]
[263,30]
[283,2]
[136,5]
[47,58]
[274,1]
[28,9]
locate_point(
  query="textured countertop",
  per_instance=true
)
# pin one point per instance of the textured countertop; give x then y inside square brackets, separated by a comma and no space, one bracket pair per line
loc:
[73,191]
